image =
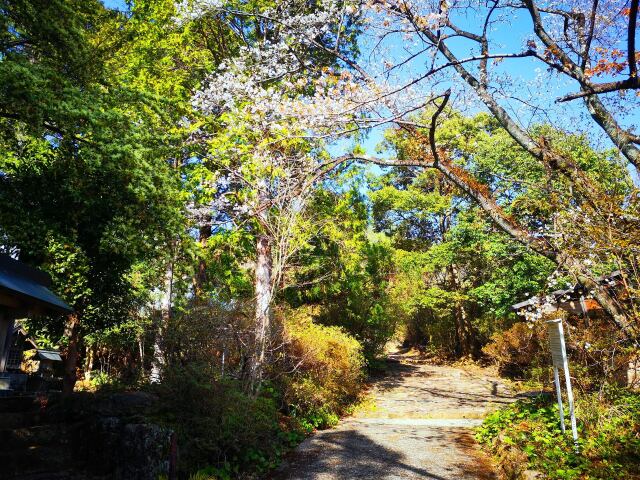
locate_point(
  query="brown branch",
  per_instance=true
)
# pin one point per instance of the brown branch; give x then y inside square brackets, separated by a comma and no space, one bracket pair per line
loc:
[631,83]
[592,26]
[631,39]
[434,122]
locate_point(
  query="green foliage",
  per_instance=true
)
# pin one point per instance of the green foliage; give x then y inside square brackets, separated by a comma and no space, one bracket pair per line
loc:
[87,191]
[527,435]
[218,424]
[449,261]
[346,270]
[326,374]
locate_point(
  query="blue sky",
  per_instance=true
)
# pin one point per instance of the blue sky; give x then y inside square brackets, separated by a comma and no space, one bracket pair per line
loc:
[117,4]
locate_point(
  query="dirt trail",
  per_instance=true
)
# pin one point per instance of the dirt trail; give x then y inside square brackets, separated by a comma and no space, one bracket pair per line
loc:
[421,427]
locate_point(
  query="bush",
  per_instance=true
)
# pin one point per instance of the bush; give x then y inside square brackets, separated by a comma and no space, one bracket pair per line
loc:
[324,368]
[527,435]
[218,424]
[595,353]
[313,377]
[518,349]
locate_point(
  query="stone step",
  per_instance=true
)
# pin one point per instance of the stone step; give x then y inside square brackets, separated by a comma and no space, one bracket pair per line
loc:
[13,420]
[18,404]
[35,460]
[420,422]
[38,435]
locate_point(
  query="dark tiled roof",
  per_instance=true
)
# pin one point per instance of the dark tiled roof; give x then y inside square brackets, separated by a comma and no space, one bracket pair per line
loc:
[52,355]
[29,284]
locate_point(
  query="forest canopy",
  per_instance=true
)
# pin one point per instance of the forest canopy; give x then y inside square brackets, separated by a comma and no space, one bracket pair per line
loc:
[258,196]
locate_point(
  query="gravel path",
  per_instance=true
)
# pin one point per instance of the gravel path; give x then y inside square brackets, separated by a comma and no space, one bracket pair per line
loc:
[420,428]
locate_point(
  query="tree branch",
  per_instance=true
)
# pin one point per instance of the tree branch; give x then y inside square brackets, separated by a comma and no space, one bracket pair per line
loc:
[631,40]
[631,83]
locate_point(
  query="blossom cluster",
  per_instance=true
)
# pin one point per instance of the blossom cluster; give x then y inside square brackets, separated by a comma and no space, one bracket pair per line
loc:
[187,10]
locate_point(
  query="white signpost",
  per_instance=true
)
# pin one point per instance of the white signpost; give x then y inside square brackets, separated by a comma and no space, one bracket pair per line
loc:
[559,355]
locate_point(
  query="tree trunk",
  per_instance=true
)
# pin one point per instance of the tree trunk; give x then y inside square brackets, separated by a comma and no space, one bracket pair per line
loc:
[263,297]
[88,362]
[72,332]
[466,335]
[201,274]
[464,331]
[158,362]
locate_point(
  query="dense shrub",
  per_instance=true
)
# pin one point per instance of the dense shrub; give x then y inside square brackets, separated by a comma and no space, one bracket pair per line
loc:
[324,370]
[595,353]
[217,424]
[518,349]
[315,373]
[527,435]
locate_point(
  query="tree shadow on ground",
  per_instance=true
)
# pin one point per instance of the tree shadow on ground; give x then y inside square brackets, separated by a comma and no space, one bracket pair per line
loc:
[349,454]
[396,374]
[465,399]
[393,376]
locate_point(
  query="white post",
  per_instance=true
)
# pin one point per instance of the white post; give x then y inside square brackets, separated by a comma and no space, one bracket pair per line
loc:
[567,378]
[559,356]
[556,380]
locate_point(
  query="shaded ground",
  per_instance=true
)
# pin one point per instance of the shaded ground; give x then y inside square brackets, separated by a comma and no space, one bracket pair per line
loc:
[421,427]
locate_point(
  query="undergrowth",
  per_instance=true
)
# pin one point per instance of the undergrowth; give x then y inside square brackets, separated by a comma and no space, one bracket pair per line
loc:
[224,433]
[527,436]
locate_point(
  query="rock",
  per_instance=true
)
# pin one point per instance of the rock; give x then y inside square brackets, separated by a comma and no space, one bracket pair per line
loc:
[145,452]
[141,451]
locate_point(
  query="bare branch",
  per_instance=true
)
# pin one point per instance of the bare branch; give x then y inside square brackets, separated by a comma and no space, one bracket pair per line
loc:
[434,122]
[589,39]
[631,39]
[632,83]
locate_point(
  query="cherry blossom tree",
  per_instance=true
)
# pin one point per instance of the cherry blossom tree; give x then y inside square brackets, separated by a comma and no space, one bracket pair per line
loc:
[269,111]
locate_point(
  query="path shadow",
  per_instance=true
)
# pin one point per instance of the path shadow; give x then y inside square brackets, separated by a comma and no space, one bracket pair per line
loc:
[348,454]
[394,375]
[466,399]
